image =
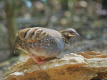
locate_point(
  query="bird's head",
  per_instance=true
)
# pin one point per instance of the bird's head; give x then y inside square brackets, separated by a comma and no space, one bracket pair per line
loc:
[68,33]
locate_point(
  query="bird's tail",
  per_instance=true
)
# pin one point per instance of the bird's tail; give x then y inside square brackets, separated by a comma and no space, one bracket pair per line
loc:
[17,40]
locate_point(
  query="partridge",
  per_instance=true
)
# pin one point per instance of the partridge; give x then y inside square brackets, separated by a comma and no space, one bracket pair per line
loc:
[43,42]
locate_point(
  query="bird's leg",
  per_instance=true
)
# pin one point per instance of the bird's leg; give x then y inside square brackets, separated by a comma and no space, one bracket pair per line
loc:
[36,60]
[40,59]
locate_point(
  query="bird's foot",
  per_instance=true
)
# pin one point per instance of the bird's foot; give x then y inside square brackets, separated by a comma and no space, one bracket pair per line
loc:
[39,64]
[36,61]
[42,62]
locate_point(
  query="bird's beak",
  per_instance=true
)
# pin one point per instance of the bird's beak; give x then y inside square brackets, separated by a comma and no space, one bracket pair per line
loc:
[77,34]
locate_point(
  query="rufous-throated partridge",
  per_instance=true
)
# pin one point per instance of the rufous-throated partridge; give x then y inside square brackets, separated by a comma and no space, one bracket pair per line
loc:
[43,42]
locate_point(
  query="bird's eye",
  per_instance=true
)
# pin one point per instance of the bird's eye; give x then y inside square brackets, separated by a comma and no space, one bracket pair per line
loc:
[70,31]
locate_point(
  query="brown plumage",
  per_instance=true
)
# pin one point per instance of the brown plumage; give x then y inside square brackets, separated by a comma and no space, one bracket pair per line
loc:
[43,42]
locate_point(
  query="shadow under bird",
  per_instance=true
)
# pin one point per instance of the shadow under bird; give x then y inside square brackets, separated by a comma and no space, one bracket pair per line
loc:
[41,42]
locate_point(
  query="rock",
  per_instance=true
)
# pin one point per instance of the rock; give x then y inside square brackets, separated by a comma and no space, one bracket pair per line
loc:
[80,66]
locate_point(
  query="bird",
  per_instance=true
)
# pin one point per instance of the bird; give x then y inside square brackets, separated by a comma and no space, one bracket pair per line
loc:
[40,42]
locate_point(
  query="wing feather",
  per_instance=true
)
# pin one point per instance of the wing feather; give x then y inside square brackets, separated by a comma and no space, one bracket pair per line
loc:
[32,34]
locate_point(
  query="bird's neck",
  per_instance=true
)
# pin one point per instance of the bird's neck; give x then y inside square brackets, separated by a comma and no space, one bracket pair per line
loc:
[66,38]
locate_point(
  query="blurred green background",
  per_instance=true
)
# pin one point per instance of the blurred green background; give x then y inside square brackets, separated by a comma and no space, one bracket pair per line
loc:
[88,17]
